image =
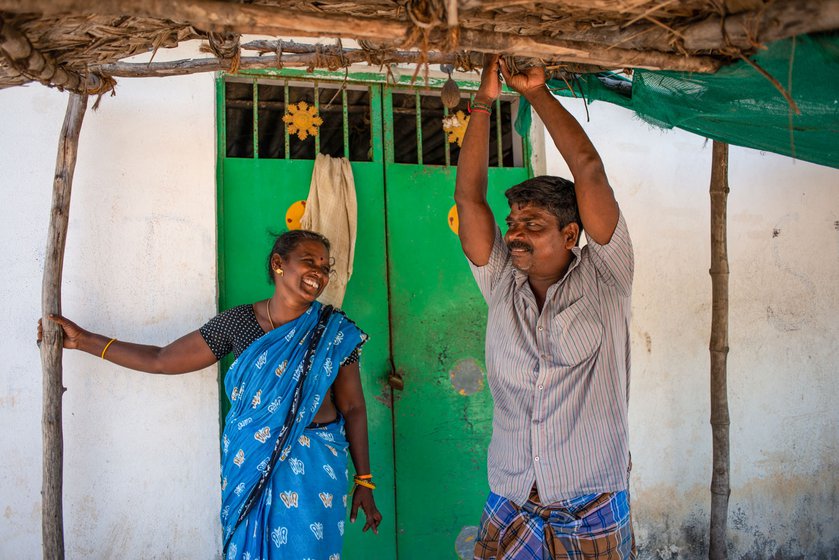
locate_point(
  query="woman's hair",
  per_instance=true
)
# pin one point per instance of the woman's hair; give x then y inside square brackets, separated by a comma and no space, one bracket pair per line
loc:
[288,242]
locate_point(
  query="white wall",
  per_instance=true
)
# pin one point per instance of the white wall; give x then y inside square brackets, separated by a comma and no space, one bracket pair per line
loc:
[141,452]
[784,323]
[141,475]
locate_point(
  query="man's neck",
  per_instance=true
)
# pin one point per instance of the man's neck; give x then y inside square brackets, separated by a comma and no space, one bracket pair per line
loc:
[541,283]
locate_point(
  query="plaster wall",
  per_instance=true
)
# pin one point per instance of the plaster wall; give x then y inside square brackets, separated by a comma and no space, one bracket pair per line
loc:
[141,476]
[783,244]
[141,459]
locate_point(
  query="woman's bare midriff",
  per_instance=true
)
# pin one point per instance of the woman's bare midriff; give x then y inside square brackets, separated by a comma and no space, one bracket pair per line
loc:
[327,411]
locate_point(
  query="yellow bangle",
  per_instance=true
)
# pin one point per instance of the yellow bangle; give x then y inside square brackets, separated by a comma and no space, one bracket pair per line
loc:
[365,483]
[363,477]
[105,349]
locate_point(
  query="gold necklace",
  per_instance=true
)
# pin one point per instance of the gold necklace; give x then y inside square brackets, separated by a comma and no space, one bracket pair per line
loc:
[268,311]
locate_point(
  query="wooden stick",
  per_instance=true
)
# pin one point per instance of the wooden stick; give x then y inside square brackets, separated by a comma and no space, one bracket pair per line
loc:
[720,485]
[52,524]
[307,60]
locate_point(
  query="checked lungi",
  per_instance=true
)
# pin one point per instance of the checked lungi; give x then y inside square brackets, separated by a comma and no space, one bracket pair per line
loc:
[591,527]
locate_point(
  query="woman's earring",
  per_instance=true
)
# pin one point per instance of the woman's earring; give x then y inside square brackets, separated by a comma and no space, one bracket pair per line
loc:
[279,271]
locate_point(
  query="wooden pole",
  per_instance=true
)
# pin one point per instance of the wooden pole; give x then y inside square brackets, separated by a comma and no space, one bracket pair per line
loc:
[720,484]
[52,525]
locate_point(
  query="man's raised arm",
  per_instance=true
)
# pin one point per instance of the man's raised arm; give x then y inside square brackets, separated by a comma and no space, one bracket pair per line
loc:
[477,224]
[596,202]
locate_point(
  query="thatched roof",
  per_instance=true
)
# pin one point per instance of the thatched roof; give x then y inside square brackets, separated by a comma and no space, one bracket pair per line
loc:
[74,44]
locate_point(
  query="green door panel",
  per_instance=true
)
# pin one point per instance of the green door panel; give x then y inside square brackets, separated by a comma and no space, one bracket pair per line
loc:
[253,197]
[443,417]
[413,293]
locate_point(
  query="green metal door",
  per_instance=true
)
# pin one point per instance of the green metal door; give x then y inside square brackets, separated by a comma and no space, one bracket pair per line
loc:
[443,415]
[411,289]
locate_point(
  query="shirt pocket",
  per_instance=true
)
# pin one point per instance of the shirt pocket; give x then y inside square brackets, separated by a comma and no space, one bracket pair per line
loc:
[577,333]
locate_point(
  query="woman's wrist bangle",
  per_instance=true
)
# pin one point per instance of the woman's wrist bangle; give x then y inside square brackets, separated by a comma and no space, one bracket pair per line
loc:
[105,349]
[365,480]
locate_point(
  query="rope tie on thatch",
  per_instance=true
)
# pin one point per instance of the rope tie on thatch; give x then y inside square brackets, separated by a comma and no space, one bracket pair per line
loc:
[425,16]
[224,46]
[329,57]
[463,62]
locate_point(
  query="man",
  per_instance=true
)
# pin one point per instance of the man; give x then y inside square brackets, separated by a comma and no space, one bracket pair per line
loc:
[557,346]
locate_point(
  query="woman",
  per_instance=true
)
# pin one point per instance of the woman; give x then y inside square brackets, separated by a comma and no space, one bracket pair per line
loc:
[297,407]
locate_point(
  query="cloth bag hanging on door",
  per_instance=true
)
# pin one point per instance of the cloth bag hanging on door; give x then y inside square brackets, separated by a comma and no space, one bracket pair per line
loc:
[331,210]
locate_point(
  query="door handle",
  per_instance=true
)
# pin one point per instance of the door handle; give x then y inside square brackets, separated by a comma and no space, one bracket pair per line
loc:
[396,381]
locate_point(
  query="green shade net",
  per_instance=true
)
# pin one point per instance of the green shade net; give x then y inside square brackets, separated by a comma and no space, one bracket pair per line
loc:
[737,104]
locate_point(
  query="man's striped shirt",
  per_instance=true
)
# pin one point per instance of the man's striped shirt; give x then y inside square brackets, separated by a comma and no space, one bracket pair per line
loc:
[559,379]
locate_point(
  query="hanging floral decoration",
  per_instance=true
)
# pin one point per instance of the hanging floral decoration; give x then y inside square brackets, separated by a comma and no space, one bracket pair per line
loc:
[303,120]
[455,126]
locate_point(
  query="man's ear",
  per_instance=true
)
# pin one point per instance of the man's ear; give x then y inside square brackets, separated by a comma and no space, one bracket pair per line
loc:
[570,235]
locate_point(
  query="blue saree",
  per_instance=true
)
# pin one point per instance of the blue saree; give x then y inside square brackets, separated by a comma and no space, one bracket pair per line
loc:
[284,485]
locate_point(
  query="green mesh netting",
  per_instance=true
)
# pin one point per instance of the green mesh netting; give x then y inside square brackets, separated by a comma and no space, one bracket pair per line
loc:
[737,104]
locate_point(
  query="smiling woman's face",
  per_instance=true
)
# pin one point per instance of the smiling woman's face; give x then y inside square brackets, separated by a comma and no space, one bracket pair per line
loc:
[305,270]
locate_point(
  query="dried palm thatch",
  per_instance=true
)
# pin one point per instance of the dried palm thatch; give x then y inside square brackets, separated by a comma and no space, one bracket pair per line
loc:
[77,44]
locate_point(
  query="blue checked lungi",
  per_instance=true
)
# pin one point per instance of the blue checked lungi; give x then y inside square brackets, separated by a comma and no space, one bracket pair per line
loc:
[594,526]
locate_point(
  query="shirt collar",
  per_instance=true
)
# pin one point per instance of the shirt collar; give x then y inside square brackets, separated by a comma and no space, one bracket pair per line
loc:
[520,277]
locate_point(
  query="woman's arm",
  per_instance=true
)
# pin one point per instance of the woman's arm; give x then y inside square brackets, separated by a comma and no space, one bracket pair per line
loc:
[188,353]
[349,398]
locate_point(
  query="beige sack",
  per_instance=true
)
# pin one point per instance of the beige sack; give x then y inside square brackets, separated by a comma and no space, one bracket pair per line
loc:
[331,210]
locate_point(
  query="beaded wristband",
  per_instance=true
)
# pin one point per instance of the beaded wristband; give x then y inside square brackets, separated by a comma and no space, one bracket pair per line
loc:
[478,106]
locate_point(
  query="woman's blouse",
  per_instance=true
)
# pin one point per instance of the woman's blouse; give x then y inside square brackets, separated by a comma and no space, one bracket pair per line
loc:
[235,329]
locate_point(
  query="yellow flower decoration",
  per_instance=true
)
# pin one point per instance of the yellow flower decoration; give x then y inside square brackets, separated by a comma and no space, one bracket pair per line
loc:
[455,126]
[302,120]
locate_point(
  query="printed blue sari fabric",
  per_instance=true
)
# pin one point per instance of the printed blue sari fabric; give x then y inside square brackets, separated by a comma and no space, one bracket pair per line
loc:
[300,513]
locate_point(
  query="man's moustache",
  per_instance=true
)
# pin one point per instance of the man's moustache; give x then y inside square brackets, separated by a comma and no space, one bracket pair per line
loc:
[519,245]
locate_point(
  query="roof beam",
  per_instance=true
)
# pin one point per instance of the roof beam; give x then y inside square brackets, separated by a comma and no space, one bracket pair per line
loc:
[218,16]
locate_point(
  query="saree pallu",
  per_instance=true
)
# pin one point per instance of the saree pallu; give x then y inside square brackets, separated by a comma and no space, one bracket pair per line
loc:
[283,485]
[591,527]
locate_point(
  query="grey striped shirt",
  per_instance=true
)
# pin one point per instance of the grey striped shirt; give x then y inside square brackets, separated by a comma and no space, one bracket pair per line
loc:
[560,380]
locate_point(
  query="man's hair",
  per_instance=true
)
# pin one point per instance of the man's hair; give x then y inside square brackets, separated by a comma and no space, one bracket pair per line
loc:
[554,194]
[287,242]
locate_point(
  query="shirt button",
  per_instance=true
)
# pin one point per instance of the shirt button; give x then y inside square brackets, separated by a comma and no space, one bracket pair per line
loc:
[540,327]
[540,387]
[536,458]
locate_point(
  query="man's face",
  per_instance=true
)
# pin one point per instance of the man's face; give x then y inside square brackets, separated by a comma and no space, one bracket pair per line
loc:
[537,246]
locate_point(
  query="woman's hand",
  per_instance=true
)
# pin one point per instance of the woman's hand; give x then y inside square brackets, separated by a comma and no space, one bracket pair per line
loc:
[490,87]
[526,82]
[363,496]
[73,333]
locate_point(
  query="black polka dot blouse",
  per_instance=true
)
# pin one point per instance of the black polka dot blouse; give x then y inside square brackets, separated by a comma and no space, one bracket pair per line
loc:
[237,328]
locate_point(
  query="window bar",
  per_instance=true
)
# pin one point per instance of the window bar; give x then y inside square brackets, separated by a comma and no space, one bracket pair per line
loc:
[346,122]
[285,125]
[446,138]
[255,120]
[418,111]
[498,134]
[317,111]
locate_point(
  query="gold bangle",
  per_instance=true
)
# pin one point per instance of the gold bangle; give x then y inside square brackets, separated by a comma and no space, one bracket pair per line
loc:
[366,482]
[105,349]
[363,476]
